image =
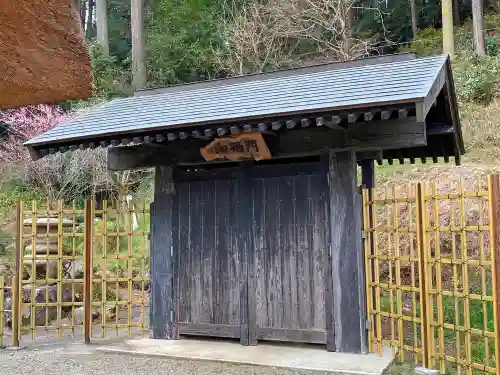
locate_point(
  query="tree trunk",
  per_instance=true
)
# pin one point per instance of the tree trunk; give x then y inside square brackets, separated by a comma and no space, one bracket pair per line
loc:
[83,11]
[347,32]
[139,72]
[78,9]
[102,24]
[448,37]
[414,18]
[90,18]
[478,26]
[456,12]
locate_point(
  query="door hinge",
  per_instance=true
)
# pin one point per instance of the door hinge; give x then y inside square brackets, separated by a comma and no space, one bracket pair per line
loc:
[171,250]
[363,235]
[171,316]
[368,324]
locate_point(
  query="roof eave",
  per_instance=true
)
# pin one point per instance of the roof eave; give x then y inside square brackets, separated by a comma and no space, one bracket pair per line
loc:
[217,123]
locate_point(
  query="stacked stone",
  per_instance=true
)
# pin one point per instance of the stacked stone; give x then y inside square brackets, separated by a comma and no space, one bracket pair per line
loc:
[46,243]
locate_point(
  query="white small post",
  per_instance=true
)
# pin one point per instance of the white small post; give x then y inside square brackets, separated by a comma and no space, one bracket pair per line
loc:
[130,204]
[426,371]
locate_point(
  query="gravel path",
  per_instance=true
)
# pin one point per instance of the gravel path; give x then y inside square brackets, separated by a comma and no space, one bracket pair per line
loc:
[78,359]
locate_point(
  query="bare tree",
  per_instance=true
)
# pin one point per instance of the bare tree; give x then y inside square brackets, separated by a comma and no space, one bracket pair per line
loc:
[139,72]
[102,24]
[478,26]
[274,34]
[80,174]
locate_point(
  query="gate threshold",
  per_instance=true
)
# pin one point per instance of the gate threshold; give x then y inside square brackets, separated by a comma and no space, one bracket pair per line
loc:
[284,356]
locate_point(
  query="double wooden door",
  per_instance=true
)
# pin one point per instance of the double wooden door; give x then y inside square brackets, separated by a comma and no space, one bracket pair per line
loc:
[252,253]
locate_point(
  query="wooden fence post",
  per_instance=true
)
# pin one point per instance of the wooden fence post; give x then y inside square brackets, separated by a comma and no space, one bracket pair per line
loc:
[422,275]
[494,206]
[18,276]
[87,286]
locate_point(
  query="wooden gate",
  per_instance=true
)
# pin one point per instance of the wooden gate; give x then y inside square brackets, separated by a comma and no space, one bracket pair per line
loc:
[206,235]
[290,256]
[252,250]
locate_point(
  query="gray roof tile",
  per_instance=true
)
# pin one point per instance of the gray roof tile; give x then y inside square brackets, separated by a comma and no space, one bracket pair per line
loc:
[360,86]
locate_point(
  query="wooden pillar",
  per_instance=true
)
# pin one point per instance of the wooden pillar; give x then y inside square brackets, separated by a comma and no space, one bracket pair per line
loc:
[368,182]
[163,294]
[345,256]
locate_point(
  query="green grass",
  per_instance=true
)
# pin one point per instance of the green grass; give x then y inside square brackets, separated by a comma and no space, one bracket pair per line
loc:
[455,316]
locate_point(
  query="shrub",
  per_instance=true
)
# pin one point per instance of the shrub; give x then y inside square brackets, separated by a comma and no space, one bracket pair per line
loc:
[427,43]
[476,77]
[493,44]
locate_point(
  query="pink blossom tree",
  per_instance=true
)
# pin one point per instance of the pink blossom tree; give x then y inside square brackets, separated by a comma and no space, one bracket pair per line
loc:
[61,176]
[23,124]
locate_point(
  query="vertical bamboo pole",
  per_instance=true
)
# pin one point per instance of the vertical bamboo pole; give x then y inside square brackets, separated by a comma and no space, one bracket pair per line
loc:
[2,307]
[494,208]
[422,274]
[368,270]
[87,288]
[16,281]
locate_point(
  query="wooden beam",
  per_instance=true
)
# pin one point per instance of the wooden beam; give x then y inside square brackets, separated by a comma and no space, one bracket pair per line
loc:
[163,304]
[352,117]
[368,116]
[369,155]
[385,135]
[212,330]
[276,125]
[262,127]
[221,131]
[346,255]
[371,136]
[385,115]
[402,113]
[292,335]
[305,122]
